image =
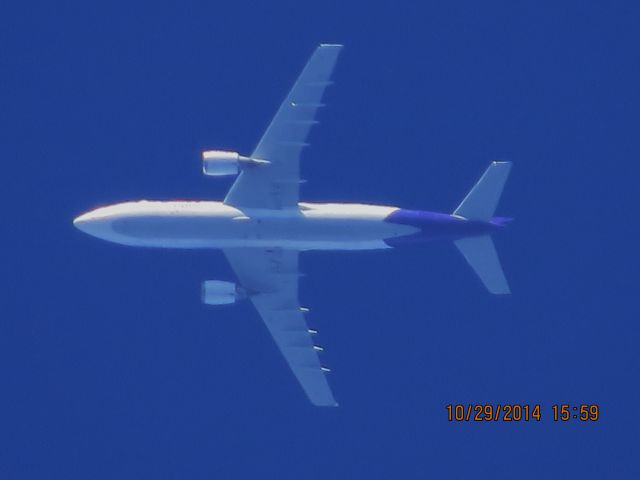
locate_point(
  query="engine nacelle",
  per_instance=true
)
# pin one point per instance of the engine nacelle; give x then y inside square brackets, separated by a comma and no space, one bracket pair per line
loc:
[220,163]
[217,292]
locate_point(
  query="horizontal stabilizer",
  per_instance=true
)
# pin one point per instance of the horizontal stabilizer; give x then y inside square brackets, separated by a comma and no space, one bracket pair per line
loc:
[481,202]
[481,255]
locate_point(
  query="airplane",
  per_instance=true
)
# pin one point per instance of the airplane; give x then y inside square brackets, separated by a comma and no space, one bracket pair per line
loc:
[262,226]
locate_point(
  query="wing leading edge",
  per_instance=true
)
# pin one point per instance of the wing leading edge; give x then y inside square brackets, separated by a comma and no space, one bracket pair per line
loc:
[270,278]
[276,186]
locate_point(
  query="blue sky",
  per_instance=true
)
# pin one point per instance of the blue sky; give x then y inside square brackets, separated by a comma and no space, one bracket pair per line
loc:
[111,367]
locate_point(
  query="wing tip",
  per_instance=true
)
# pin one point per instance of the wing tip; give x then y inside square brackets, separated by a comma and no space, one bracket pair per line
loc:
[504,291]
[329,404]
[502,163]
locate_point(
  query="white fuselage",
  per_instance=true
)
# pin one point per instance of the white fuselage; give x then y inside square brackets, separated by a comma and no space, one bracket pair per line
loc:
[205,224]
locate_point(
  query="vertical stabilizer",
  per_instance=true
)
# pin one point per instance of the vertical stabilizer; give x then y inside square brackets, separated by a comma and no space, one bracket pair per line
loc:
[481,202]
[481,255]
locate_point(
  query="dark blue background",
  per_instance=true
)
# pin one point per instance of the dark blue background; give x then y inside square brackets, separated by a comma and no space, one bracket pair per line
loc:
[111,368]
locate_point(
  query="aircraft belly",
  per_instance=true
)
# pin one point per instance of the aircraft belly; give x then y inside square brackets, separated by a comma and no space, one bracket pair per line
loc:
[181,231]
[298,232]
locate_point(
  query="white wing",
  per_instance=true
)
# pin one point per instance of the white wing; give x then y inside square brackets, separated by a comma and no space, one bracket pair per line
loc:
[270,278]
[276,185]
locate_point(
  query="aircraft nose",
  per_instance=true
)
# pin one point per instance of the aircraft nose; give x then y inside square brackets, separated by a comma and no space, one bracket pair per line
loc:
[83,222]
[92,223]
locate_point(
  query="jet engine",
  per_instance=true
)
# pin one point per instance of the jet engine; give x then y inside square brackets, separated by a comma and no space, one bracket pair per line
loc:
[217,292]
[220,162]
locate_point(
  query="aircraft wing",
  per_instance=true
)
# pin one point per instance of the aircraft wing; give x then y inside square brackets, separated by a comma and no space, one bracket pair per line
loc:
[276,186]
[270,278]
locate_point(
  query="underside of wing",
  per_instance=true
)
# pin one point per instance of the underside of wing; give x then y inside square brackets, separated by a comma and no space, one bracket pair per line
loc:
[270,279]
[276,185]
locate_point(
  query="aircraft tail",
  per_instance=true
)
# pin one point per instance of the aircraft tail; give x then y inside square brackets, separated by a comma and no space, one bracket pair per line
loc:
[481,202]
[480,205]
[482,257]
